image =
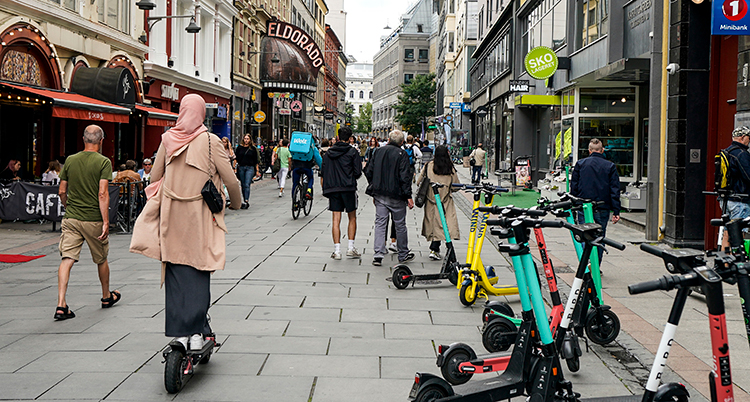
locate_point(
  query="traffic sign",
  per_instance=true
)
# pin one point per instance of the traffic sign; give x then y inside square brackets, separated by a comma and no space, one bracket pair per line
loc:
[730,17]
[259,116]
[541,62]
[285,111]
[456,105]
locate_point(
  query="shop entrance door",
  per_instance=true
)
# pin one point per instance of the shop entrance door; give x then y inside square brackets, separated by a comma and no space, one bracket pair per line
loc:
[722,107]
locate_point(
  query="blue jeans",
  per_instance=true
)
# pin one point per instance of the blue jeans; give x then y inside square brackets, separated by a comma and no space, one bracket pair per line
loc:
[602,218]
[738,209]
[296,173]
[246,178]
[476,174]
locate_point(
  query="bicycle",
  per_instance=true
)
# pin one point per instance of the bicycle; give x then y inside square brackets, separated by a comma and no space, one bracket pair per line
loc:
[299,201]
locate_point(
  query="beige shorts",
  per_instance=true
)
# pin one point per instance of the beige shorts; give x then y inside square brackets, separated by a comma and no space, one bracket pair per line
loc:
[74,232]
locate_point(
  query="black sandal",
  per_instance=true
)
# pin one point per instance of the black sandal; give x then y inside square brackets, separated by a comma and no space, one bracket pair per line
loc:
[111,300]
[63,313]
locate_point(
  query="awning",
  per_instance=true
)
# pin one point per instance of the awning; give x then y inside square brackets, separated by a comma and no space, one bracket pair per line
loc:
[157,117]
[537,100]
[66,105]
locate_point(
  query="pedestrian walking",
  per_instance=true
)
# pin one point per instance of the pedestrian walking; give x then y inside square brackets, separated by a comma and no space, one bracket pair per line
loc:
[362,146]
[427,153]
[739,166]
[596,179]
[84,191]
[477,156]
[372,146]
[285,160]
[230,152]
[415,155]
[177,227]
[439,170]
[342,166]
[247,166]
[389,177]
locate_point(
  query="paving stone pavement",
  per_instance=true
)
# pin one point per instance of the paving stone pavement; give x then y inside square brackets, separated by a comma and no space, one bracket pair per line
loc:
[294,324]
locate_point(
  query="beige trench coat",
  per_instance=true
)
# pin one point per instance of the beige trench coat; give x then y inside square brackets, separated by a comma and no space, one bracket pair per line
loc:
[176,225]
[432,228]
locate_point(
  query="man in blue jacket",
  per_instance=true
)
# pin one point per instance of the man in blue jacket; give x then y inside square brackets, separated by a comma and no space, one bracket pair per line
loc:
[739,165]
[596,178]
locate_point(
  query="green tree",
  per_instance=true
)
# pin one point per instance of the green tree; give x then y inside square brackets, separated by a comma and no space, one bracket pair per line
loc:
[364,120]
[417,103]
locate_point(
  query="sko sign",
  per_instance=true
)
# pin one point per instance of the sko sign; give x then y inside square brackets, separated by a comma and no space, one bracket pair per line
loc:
[541,62]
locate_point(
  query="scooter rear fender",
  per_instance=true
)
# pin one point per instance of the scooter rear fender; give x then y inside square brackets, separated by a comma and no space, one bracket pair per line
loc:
[427,379]
[666,392]
[176,346]
[451,348]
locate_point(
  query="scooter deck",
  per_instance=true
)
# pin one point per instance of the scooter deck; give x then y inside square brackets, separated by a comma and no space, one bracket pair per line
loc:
[500,388]
[623,398]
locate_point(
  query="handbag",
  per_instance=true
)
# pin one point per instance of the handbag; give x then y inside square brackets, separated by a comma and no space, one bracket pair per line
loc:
[422,191]
[210,193]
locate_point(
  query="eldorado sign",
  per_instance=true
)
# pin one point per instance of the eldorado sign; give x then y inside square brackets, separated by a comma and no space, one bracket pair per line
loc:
[298,37]
[541,62]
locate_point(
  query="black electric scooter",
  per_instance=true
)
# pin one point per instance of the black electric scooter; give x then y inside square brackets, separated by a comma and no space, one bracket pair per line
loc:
[181,362]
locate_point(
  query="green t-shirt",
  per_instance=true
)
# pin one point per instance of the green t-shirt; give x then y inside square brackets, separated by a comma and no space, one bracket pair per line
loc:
[83,171]
[284,155]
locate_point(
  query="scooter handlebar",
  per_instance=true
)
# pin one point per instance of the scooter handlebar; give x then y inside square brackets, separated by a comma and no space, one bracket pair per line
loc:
[612,243]
[551,223]
[559,205]
[718,222]
[649,286]
[652,250]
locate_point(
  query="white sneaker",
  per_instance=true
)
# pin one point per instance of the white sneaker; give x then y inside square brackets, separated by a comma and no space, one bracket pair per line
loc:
[336,255]
[353,253]
[435,256]
[393,247]
[183,340]
[281,194]
[196,342]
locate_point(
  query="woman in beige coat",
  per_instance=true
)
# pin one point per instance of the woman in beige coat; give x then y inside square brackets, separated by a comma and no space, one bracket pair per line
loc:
[177,228]
[440,170]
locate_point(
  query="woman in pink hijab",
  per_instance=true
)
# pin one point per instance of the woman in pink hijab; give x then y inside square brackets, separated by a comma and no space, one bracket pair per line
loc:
[176,226]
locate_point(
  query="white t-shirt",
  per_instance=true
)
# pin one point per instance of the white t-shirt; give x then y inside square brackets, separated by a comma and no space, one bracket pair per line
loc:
[50,178]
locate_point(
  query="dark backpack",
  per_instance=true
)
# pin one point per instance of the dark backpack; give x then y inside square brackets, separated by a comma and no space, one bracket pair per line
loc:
[723,179]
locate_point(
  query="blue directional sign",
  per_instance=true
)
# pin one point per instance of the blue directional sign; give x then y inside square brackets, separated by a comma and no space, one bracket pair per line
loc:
[456,105]
[466,108]
[730,17]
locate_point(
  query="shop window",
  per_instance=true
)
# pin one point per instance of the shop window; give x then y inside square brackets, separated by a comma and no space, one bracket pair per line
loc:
[20,67]
[617,134]
[409,54]
[612,102]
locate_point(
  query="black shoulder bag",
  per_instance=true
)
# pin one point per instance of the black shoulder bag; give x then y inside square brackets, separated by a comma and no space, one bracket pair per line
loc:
[423,190]
[210,193]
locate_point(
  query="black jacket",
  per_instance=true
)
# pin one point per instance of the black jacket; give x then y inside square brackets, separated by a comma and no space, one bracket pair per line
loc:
[388,173]
[342,166]
[596,178]
[246,156]
[740,167]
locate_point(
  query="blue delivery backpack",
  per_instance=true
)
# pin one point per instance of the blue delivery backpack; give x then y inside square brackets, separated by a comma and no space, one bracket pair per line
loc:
[301,146]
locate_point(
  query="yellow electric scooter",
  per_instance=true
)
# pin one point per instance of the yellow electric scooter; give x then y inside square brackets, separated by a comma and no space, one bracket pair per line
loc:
[478,280]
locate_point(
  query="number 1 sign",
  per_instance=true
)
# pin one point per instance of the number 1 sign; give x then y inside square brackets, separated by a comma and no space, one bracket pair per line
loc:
[730,17]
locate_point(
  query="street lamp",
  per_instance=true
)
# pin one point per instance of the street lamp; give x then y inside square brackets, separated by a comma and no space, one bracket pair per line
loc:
[147,5]
[274,59]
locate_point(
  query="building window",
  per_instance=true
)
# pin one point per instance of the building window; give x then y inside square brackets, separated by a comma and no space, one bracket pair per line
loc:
[361,94]
[424,54]
[408,78]
[592,21]
[546,25]
[419,28]
[409,54]
[370,94]
[114,13]
[451,39]
[351,94]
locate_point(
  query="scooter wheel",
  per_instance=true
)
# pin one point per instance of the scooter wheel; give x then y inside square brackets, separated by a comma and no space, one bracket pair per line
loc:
[398,277]
[174,377]
[499,335]
[431,393]
[466,296]
[450,370]
[574,364]
[602,330]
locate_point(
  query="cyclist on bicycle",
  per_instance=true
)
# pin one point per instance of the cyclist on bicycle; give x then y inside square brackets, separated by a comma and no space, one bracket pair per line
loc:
[303,162]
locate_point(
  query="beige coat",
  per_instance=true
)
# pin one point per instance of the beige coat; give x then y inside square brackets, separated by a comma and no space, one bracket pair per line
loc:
[432,228]
[478,155]
[176,225]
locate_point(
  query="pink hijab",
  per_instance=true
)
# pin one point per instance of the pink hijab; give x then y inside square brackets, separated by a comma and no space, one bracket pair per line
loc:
[189,125]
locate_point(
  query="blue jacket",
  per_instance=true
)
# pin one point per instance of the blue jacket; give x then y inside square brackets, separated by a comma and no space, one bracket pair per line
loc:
[596,178]
[740,167]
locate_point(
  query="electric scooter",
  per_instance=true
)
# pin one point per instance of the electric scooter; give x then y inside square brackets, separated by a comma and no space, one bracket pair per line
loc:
[181,362]
[402,275]
[538,375]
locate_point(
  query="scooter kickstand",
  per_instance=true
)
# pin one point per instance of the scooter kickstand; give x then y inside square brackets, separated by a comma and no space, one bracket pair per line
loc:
[586,341]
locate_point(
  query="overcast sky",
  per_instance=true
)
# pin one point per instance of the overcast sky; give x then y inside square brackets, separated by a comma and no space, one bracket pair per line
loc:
[365,20]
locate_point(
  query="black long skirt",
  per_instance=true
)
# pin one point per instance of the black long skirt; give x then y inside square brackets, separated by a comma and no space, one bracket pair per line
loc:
[188,296]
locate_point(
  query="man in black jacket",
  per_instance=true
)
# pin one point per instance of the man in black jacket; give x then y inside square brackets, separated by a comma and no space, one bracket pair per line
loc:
[342,166]
[596,178]
[389,175]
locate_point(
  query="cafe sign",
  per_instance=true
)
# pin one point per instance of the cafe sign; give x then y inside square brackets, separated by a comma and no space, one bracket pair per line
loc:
[299,38]
[541,62]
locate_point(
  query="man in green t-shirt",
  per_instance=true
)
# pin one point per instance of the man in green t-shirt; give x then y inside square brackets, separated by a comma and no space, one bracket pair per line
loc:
[84,191]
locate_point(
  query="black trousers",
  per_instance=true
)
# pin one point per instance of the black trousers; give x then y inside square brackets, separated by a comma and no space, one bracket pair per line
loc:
[187,298]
